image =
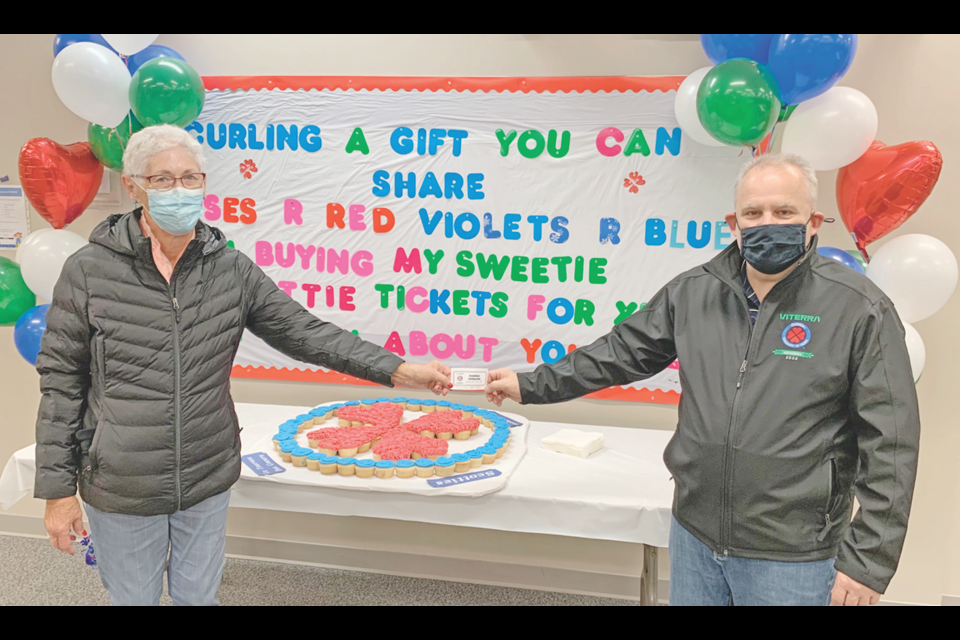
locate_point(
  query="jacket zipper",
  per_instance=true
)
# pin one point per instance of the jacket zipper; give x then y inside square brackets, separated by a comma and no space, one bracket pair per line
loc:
[827,522]
[175,311]
[727,468]
[176,386]
[176,362]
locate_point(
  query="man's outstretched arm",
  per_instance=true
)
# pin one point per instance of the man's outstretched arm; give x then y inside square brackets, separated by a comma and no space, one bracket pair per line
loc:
[637,348]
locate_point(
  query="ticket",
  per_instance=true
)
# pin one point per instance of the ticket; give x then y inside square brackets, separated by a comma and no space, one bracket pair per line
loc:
[468,379]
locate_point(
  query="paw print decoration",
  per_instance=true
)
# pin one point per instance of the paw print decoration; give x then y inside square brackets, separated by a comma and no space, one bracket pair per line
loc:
[634,182]
[248,168]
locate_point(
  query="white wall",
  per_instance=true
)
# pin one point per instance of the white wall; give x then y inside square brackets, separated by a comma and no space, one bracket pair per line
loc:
[911,79]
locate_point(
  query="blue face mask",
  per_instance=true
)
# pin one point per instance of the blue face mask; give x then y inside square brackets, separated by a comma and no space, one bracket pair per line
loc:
[176,211]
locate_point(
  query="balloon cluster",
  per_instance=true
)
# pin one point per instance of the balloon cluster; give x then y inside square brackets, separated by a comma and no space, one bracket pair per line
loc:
[762,82]
[33,273]
[119,83]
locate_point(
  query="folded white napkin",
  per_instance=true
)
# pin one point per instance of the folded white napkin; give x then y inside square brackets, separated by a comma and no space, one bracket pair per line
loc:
[573,442]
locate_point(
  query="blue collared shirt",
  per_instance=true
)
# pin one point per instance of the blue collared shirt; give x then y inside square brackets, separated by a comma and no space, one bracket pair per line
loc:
[753,302]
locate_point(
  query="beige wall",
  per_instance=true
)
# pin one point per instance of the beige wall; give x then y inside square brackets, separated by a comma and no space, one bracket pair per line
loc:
[911,79]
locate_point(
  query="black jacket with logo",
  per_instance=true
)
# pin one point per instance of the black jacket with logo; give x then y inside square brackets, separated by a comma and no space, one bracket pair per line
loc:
[782,423]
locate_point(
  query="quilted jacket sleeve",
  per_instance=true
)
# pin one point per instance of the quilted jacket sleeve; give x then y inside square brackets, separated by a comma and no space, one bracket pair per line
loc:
[637,348]
[64,367]
[286,326]
[886,416]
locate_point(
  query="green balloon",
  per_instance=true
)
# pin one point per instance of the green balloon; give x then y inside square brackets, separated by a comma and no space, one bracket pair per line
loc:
[15,297]
[738,102]
[108,144]
[858,257]
[166,91]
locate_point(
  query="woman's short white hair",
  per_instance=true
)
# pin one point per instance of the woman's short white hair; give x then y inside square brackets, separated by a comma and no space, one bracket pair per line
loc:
[150,141]
[772,160]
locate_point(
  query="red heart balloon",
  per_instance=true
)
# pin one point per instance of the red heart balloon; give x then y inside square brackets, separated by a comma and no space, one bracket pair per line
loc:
[886,185]
[60,182]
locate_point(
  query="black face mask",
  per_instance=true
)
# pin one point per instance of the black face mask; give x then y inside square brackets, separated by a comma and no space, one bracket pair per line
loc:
[771,248]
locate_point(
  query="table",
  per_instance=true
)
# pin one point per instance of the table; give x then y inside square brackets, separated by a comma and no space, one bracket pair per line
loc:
[621,493]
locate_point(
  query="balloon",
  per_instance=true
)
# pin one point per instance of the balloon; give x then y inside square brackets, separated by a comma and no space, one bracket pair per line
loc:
[917,272]
[30,239]
[60,182]
[130,43]
[737,102]
[166,90]
[92,82]
[108,144]
[859,258]
[721,47]
[43,260]
[28,332]
[841,256]
[685,108]
[807,64]
[915,349]
[63,40]
[15,297]
[885,186]
[832,130]
[135,61]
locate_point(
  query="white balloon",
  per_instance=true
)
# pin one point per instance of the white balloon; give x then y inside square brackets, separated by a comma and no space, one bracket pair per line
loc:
[831,130]
[918,353]
[685,108]
[129,43]
[43,260]
[30,239]
[92,82]
[917,272]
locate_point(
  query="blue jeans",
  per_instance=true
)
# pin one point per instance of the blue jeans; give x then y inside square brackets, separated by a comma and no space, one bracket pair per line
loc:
[133,552]
[701,577]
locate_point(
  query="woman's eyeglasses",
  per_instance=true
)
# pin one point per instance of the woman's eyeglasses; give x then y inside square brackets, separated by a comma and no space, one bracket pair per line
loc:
[165,183]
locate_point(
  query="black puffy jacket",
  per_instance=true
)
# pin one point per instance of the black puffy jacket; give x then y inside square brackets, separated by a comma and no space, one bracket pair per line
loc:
[781,423]
[135,372]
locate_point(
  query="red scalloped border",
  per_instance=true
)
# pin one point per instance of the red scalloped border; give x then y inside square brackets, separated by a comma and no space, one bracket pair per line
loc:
[334,377]
[428,83]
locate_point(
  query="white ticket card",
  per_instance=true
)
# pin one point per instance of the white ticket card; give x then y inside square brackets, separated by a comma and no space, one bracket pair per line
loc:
[468,379]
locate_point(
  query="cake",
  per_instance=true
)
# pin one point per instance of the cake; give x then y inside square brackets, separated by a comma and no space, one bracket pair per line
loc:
[338,433]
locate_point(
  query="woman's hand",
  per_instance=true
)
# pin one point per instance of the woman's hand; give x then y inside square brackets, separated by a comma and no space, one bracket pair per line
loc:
[434,376]
[60,515]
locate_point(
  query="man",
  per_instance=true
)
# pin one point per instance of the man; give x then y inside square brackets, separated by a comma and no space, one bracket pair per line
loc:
[135,373]
[797,395]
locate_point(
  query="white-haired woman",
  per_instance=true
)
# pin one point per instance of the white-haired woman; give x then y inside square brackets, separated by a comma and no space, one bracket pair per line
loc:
[135,374]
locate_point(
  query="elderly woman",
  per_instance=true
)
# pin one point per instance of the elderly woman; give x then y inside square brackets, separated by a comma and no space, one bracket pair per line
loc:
[135,374]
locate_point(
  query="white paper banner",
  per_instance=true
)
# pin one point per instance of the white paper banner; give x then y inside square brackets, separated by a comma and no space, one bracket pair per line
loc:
[484,228]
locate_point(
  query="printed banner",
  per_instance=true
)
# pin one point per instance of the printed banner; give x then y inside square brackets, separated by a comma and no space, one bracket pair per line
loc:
[488,223]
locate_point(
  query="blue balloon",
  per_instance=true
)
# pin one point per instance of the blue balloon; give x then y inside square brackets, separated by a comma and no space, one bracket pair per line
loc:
[151,52]
[28,331]
[720,47]
[807,64]
[842,257]
[62,40]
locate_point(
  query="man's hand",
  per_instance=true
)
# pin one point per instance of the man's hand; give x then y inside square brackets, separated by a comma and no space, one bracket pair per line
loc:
[434,376]
[502,384]
[847,592]
[59,516]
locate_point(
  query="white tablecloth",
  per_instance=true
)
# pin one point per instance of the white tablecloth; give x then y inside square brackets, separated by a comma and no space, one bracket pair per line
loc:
[621,493]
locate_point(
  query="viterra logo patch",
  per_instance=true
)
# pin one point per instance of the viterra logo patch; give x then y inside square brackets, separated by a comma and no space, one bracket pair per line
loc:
[795,336]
